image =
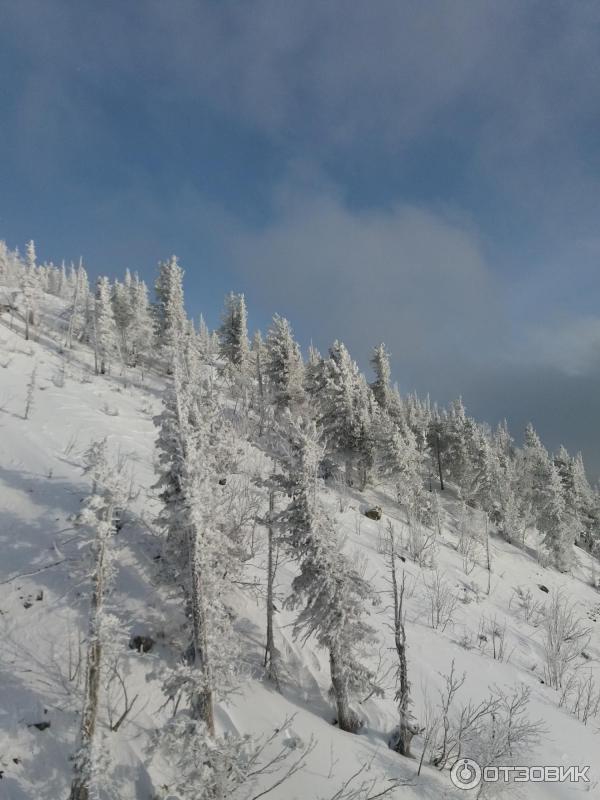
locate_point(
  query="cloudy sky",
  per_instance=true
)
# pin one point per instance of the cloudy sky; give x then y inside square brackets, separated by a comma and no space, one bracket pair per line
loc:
[422,173]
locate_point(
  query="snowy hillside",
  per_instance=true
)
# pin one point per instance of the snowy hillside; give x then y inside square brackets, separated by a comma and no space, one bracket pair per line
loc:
[475,604]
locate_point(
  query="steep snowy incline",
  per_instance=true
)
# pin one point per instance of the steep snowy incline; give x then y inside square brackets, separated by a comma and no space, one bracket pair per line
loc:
[44,598]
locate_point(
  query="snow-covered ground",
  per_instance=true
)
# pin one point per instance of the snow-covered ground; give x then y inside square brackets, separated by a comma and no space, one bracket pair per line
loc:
[44,598]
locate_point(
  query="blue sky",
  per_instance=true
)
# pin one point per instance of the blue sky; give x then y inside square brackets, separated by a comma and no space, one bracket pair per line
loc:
[426,174]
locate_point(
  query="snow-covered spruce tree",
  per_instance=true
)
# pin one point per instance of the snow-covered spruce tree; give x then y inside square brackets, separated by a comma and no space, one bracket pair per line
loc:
[30,288]
[170,314]
[105,330]
[122,312]
[459,433]
[233,332]
[554,522]
[261,400]
[284,367]
[141,325]
[417,415]
[344,413]
[436,440]
[314,377]
[535,469]
[79,312]
[196,548]
[98,514]
[4,263]
[381,386]
[578,495]
[400,463]
[509,509]
[329,591]
[204,339]
[480,470]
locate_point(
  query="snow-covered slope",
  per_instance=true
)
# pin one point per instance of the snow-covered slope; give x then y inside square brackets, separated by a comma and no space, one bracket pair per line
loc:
[44,599]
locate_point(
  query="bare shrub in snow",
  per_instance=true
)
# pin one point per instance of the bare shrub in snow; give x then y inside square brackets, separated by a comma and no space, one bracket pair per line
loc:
[203,766]
[565,638]
[493,731]
[407,726]
[492,635]
[29,398]
[441,600]
[531,610]
[581,696]
[421,544]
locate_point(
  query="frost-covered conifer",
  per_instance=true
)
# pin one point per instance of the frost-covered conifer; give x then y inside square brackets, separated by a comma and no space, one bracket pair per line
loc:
[170,313]
[535,466]
[314,375]
[284,368]
[233,332]
[204,342]
[197,549]
[105,330]
[381,386]
[80,308]
[30,288]
[4,263]
[140,325]
[553,521]
[64,290]
[344,412]
[122,312]
[400,463]
[416,413]
[98,514]
[329,590]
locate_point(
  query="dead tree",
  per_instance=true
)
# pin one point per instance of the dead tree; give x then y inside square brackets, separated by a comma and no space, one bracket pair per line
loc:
[407,727]
[271,654]
[100,511]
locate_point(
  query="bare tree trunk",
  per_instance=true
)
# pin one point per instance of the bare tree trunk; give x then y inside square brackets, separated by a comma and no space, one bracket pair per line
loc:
[488,556]
[80,786]
[439,460]
[202,703]
[96,369]
[261,392]
[270,649]
[69,341]
[346,718]
[406,725]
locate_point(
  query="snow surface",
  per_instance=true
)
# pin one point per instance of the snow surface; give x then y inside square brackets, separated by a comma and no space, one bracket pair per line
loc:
[44,597]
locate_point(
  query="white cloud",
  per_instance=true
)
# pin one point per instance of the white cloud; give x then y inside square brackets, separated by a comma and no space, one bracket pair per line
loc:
[406,276]
[571,346]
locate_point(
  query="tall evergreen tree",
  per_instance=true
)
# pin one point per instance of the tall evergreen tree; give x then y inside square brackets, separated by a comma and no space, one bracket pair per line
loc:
[105,329]
[330,592]
[554,523]
[344,412]
[98,513]
[284,367]
[535,467]
[196,548]
[170,313]
[30,288]
[233,333]
[381,386]
[140,328]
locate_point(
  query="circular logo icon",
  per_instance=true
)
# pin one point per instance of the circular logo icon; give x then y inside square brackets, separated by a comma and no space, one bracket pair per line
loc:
[466,774]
